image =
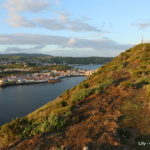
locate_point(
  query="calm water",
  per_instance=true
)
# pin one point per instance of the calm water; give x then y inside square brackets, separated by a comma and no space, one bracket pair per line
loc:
[88,67]
[17,101]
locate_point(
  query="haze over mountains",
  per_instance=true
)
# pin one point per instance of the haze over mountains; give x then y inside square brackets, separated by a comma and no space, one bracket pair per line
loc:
[25,54]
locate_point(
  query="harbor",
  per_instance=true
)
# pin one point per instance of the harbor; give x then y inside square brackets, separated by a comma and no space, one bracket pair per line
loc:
[43,77]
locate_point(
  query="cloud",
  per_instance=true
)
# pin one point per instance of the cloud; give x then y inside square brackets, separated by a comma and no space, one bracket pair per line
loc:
[16,7]
[81,26]
[19,49]
[31,39]
[51,24]
[63,16]
[141,25]
[19,21]
[71,41]
[104,44]
[34,6]
[101,44]
[62,21]
[57,2]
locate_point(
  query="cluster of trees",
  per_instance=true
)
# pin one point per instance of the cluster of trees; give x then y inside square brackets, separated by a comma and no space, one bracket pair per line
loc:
[80,60]
[57,60]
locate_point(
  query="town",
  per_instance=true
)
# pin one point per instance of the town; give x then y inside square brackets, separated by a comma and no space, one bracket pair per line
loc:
[43,77]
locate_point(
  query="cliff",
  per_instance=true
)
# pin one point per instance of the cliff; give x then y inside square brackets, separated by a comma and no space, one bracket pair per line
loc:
[109,110]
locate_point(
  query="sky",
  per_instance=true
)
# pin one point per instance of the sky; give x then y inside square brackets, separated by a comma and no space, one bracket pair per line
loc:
[74,28]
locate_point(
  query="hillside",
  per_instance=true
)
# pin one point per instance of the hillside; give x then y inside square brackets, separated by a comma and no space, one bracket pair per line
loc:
[53,59]
[108,111]
[81,60]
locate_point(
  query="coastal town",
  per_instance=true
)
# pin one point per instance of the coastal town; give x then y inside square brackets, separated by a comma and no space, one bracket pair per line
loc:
[22,70]
[43,77]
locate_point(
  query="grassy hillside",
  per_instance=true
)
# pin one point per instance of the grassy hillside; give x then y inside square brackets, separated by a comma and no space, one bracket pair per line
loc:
[109,110]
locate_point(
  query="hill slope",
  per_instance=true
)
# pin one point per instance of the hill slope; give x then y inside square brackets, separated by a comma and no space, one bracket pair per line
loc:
[54,59]
[109,110]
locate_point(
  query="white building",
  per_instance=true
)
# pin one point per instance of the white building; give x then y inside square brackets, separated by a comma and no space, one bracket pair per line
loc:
[1,81]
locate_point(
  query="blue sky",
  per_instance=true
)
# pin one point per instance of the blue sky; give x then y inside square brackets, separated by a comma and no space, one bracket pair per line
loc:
[73,27]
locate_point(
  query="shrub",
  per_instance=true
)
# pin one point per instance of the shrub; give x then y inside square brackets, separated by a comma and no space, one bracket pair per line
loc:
[17,129]
[147,87]
[85,85]
[126,84]
[63,103]
[103,85]
[82,95]
[142,81]
[136,84]
[55,121]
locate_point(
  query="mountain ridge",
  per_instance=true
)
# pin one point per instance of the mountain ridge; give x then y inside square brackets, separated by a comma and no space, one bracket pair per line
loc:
[53,59]
[25,54]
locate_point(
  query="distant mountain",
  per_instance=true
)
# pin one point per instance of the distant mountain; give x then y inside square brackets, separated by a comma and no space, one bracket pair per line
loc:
[54,59]
[81,60]
[108,111]
[25,55]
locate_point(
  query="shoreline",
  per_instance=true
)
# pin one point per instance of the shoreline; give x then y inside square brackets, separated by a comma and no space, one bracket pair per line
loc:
[53,81]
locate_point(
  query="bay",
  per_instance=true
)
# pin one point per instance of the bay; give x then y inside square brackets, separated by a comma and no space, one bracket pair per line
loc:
[88,67]
[18,101]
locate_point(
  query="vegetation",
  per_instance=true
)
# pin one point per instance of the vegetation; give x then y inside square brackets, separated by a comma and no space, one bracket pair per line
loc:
[80,60]
[32,69]
[51,59]
[123,84]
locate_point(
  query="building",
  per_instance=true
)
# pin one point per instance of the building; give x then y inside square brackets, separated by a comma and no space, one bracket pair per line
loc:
[1,82]
[89,72]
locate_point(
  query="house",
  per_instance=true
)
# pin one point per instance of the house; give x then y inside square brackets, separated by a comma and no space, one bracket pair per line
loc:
[1,82]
